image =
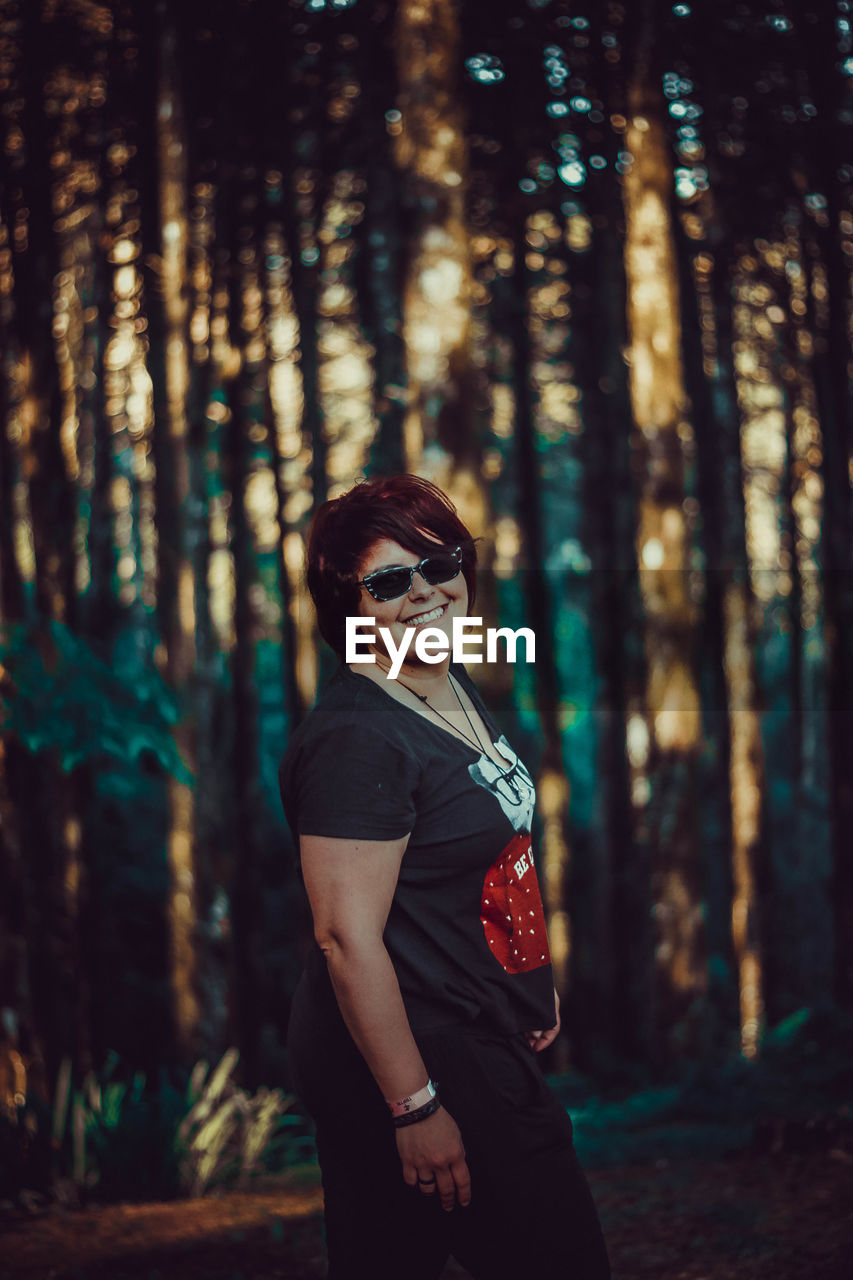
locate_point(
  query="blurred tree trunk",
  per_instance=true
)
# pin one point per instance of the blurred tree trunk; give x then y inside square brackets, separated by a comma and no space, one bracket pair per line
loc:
[623,946]
[305,177]
[832,94]
[732,774]
[20,1042]
[50,494]
[380,262]
[179,506]
[51,837]
[431,152]
[245,439]
[735,790]
[12,590]
[671,710]
[746,762]
[258,675]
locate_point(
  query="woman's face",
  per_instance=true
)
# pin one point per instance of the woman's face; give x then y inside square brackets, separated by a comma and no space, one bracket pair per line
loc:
[422,606]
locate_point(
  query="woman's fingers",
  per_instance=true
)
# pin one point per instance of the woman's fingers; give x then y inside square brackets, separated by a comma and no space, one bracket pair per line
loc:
[462,1178]
[452,1184]
[446,1188]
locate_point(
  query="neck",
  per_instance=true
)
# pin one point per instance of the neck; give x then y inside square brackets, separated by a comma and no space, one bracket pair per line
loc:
[430,682]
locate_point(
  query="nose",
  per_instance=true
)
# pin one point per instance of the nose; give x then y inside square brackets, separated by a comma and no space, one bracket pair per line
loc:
[420,587]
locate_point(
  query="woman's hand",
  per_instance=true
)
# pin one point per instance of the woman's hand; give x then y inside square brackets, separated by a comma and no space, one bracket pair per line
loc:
[539,1040]
[433,1159]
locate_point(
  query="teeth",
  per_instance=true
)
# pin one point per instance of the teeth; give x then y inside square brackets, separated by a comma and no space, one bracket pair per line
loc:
[425,617]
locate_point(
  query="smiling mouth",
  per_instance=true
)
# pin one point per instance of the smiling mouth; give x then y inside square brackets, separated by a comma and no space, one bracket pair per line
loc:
[419,619]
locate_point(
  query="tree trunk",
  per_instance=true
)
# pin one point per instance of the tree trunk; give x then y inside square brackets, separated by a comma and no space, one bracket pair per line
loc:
[671,696]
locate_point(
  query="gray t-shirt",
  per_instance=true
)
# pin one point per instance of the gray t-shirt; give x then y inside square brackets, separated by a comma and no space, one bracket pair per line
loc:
[466,929]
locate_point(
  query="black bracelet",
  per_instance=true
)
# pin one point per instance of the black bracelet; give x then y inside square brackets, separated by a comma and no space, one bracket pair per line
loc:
[412,1117]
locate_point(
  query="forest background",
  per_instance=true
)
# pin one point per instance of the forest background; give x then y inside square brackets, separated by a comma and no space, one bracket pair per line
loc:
[587,267]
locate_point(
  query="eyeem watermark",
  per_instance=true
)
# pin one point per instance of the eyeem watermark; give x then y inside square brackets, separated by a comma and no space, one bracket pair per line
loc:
[433,645]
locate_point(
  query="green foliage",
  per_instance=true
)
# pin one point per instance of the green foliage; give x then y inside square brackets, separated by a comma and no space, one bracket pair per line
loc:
[128,1139]
[229,1135]
[61,697]
[804,1069]
[109,1138]
[112,1137]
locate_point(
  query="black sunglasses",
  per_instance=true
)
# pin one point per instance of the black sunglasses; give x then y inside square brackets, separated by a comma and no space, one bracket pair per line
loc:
[439,566]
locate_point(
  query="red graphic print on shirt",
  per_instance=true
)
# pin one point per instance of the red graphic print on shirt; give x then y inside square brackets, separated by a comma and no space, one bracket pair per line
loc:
[511,909]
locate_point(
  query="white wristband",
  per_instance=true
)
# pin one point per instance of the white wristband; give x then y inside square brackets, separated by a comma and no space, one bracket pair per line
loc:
[415,1100]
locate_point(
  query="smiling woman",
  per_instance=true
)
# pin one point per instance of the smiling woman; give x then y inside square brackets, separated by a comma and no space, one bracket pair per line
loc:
[413,817]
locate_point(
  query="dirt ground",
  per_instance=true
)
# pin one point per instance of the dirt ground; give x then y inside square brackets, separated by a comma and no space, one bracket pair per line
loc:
[745,1216]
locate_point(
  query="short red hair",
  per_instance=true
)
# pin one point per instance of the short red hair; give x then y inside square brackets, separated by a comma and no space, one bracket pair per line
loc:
[401,508]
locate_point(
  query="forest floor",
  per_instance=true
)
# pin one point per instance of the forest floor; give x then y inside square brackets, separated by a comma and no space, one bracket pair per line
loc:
[784,1215]
[737,1171]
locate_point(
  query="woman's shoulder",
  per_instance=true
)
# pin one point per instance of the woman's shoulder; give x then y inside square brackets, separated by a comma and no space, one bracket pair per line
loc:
[348,757]
[352,714]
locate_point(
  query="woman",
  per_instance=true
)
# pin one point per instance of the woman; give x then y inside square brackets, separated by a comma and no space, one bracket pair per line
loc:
[415,1029]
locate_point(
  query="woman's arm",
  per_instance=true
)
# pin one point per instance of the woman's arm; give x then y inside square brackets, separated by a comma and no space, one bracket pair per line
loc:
[350,885]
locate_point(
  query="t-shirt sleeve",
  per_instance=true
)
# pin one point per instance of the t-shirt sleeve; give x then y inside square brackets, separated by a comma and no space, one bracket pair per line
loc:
[354,783]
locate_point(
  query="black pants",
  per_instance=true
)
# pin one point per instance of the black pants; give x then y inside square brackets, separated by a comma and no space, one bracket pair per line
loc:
[531,1211]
